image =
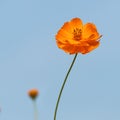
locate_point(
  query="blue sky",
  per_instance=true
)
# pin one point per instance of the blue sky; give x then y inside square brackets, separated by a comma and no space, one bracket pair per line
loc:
[29,58]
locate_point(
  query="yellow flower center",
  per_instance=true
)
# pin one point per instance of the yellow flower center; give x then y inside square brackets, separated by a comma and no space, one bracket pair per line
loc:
[77,34]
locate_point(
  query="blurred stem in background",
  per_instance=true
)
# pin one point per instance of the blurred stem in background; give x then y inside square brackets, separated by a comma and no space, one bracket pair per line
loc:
[35,110]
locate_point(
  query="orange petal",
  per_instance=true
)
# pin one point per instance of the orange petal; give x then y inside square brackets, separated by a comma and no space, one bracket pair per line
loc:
[67,27]
[87,49]
[63,35]
[68,48]
[90,32]
[76,23]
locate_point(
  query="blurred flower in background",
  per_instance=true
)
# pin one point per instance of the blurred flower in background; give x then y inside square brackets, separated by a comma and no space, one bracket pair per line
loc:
[33,93]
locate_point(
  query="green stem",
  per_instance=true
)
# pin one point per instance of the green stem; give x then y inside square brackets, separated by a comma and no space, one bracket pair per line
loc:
[58,100]
[35,110]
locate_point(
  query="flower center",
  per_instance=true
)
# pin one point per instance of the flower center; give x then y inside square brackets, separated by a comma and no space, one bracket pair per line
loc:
[77,34]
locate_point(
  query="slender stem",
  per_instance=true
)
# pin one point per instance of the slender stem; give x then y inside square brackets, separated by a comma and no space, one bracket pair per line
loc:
[58,100]
[35,110]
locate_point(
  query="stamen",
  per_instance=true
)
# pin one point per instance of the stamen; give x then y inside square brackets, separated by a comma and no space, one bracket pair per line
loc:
[77,34]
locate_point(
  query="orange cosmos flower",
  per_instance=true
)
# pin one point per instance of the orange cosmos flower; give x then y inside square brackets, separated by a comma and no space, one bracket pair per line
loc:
[33,93]
[74,37]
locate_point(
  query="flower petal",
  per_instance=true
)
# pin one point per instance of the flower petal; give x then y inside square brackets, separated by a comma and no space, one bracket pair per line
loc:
[76,23]
[90,32]
[86,49]
[67,27]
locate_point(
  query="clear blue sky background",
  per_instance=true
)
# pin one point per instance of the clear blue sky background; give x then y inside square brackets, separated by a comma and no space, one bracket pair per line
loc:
[29,58]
